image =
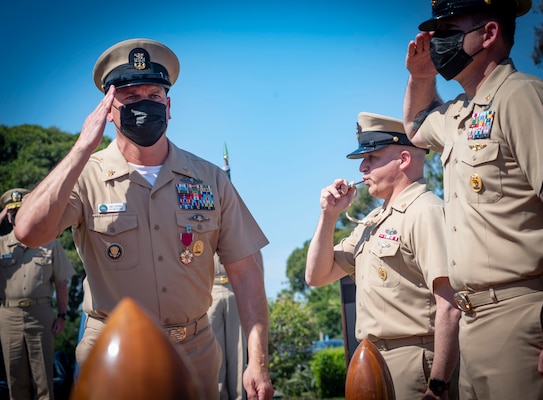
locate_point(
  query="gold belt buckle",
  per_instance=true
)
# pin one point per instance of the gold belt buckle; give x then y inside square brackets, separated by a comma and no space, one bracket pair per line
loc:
[23,303]
[462,301]
[177,334]
[221,280]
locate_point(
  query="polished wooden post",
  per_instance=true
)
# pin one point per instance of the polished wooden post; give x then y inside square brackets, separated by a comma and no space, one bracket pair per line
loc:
[133,359]
[368,376]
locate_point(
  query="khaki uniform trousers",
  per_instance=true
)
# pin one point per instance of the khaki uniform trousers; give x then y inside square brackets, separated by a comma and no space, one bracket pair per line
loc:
[202,351]
[499,346]
[410,367]
[28,348]
[224,319]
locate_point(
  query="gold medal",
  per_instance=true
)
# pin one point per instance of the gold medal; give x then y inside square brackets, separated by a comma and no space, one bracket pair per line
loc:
[186,256]
[382,273]
[198,248]
[476,183]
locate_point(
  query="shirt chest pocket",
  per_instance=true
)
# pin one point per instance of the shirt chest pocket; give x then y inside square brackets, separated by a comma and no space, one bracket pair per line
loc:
[115,239]
[481,168]
[385,263]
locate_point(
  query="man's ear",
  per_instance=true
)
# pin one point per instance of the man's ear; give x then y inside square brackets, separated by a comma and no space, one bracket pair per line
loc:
[490,36]
[405,159]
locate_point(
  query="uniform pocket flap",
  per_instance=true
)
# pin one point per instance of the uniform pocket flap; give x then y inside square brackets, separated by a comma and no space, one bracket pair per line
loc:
[113,224]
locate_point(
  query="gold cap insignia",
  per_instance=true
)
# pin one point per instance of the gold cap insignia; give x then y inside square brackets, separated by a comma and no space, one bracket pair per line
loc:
[139,59]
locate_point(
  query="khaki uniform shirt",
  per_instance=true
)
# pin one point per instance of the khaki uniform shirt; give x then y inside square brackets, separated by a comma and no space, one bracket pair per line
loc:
[394,263]
[130,235]
[492,155]
[30,272]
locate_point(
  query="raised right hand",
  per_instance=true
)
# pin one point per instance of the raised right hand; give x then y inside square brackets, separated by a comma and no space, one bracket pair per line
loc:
[418,61]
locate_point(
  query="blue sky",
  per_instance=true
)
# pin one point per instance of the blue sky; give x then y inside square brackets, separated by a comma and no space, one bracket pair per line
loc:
[281,83]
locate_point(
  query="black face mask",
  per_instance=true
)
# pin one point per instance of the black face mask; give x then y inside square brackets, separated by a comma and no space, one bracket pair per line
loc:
[143,122]
[447,52]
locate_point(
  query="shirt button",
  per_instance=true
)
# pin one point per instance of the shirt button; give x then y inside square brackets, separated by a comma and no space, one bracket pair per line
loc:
[156,227]
[164,290]
[160,258]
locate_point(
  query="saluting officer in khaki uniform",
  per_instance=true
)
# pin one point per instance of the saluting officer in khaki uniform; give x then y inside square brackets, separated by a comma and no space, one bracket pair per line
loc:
[148,217]
[28,278]
[492,155]
[396,256]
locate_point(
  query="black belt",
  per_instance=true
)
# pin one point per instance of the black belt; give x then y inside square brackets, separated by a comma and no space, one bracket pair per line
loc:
[389,344]
[24,303]
[467,301]
[178,333]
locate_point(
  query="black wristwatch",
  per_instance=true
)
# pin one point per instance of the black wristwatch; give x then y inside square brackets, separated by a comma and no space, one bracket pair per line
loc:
[438,386]
[61,315]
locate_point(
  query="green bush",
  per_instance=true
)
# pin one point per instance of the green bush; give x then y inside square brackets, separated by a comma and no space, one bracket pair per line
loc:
[329,372]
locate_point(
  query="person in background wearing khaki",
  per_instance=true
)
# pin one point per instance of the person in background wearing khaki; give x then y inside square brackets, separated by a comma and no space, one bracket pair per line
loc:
[28,279]
[492,153]
[224,319]
[148,217]
[397,258]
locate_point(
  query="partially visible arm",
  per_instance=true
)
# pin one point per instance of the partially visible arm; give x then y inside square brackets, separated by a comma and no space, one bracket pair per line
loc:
[61,288]
[421,92]
[38,220]
[247,279]
[446,347]
[321,269]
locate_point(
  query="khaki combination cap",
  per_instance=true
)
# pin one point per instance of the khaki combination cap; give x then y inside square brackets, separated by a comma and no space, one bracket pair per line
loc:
[136,62]
[374,131]
[450,8]
[13,198]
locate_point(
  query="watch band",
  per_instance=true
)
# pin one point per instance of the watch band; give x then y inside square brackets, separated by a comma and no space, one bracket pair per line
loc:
[438,386]
[61,315]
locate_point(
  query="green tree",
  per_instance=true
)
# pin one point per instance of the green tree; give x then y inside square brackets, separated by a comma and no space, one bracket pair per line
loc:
[296,269]
[433,172]
[329,370]
[292,329]
[325,304]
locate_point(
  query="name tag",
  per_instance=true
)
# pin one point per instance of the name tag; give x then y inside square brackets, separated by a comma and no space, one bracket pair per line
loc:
[111,208]
[6,256]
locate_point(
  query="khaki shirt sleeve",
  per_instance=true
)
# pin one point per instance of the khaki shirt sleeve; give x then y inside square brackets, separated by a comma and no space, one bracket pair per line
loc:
[428,242]
[345,251]
[522,125]
[62,267]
